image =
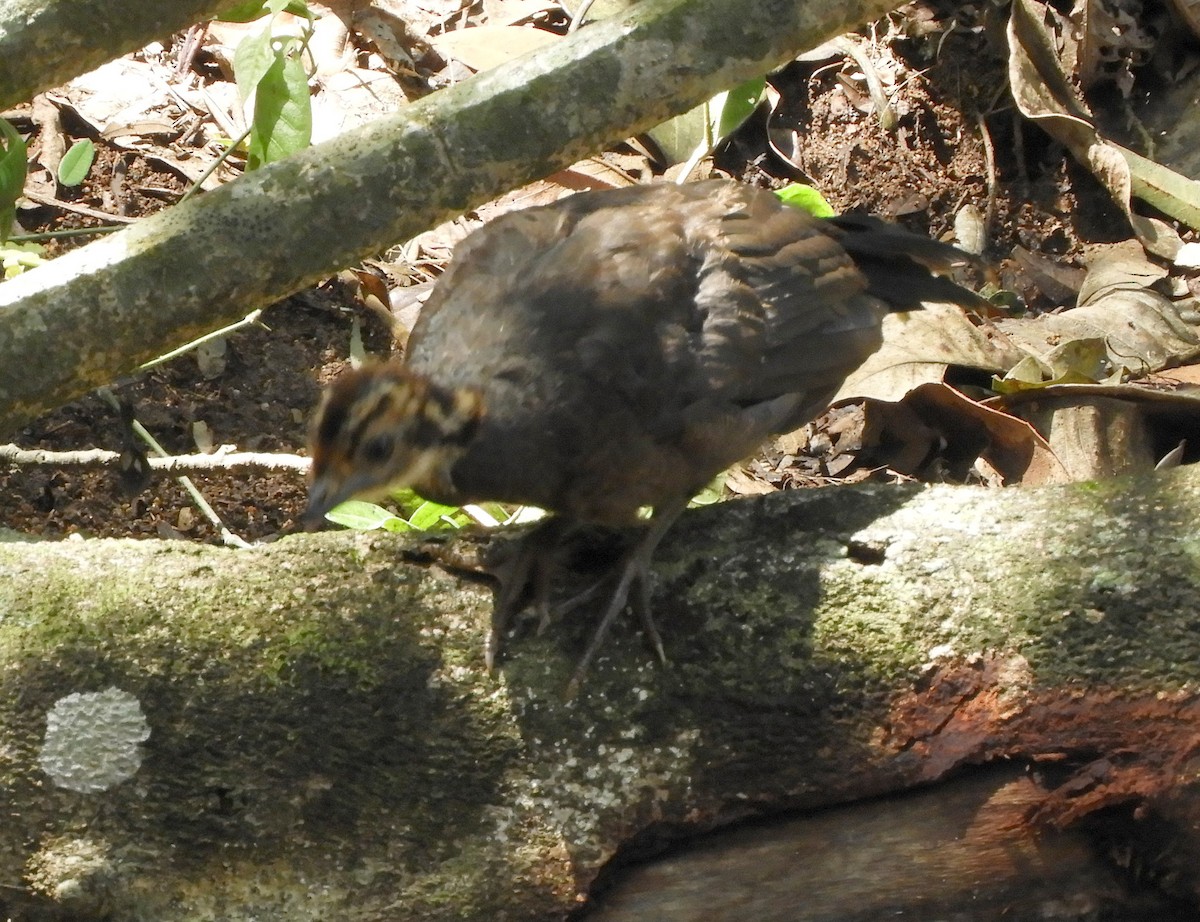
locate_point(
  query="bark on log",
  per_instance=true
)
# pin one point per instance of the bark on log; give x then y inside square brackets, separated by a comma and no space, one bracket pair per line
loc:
[100,311]
[47,42]
[324,743]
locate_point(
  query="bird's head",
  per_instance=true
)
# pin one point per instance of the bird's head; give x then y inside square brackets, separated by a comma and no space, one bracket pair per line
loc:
[382,427]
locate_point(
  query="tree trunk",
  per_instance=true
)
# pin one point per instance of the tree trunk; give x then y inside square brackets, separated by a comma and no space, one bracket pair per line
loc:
[325,743]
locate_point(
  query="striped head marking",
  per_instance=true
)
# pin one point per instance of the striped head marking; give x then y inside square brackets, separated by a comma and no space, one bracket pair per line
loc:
[382,427]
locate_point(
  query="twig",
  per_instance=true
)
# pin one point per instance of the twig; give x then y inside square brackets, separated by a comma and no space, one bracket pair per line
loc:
[70,232]
[579,17]
[231,462]
[225,155]
[989,159]
[76,208]
[223,120]
[249,319]
[191,44]
[202,504]
[884,110]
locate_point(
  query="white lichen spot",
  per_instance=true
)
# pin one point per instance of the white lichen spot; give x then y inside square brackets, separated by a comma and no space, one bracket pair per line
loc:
[93,740]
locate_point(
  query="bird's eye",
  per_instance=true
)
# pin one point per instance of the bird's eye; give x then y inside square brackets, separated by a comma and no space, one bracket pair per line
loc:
[378,448]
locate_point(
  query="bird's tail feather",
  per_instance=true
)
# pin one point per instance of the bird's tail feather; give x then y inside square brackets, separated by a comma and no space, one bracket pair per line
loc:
[898,263]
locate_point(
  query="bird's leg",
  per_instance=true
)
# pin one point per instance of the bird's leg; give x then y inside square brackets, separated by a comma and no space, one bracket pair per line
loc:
[634,569]
[530,566]
[641,604]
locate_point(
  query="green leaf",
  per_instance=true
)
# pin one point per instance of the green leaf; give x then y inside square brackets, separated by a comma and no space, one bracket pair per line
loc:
[431,515]
[252,60]
[365,517]
[692,135]
[13,166]
[728,110]
[282,110]
[406,498]
[806,198]
[498,512]
[244,12]
[1167,190]
[74,166]
[256,9]
[711,493]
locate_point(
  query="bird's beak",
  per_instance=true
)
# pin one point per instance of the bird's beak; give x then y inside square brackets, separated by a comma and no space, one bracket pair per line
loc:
[323,495]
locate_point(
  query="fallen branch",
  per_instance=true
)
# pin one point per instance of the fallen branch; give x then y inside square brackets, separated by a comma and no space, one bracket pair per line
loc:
[46,42]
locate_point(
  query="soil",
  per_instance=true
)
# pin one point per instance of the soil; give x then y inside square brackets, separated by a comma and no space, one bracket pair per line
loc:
[263,396]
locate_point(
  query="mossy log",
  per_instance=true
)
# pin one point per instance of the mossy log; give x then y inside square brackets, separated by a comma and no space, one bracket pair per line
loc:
[305,730]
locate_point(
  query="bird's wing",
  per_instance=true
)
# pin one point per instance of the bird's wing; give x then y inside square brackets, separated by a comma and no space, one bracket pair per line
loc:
[784,308]
[715,290]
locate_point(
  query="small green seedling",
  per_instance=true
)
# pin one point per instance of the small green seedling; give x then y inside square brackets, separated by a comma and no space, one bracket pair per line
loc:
[417,514]
[16,258]
[270,68]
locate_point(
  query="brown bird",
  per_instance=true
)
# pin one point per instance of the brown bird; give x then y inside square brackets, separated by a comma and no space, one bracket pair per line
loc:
[617,350]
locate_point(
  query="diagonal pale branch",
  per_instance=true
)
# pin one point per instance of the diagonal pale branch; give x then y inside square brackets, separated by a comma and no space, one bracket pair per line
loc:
[100,311]
[47,42]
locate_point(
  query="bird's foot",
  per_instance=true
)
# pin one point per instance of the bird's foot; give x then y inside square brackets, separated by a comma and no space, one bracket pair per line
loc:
[633,588]
[526,576]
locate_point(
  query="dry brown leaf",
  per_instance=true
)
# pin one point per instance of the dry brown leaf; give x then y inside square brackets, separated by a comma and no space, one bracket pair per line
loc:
[352,97]
[1008,444]
[1042,67]
[117,94]
[937,433]
[919,346]
[1141,329]
[484,47]
[586,174]
[740,481]
[593,173]
[1059,283]
[1100,431]
[1186,374]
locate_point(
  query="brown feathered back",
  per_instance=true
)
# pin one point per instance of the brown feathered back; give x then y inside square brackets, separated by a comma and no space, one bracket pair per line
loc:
[630,344]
